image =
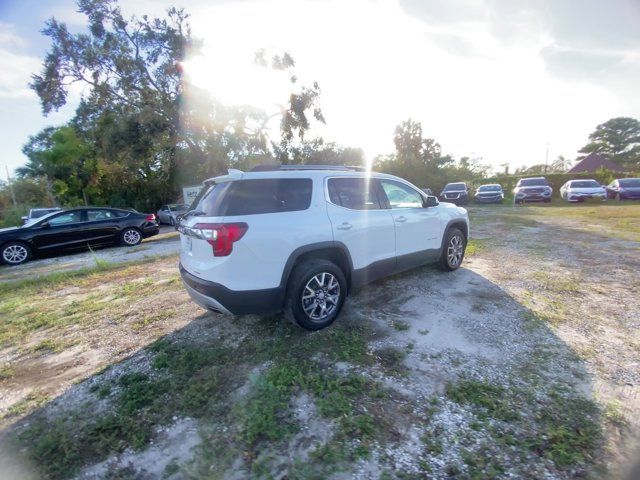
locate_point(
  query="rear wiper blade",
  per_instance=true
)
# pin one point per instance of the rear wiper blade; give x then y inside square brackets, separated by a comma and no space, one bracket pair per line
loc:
[194,213]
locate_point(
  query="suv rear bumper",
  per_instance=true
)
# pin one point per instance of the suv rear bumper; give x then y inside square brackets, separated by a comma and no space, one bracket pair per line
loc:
[217,297]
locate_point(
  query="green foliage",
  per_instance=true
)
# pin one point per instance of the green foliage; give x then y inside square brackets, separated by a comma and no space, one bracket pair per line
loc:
[562,428]
[618,139]
[143,131]
[420,160]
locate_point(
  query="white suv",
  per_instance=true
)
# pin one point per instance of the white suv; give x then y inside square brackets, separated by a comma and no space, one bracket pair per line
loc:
[299,238]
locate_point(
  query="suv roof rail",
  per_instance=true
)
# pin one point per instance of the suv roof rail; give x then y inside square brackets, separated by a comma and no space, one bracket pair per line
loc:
[269,168]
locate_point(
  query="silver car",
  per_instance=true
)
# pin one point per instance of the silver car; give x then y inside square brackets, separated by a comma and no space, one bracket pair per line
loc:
[36,213]
[581,190]
[169,213]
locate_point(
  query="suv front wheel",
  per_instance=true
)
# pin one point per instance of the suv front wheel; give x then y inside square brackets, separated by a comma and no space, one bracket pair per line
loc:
[453,251]
[316,293]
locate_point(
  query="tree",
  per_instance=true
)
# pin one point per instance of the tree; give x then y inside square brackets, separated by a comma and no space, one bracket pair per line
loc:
[420,160]
[149,130]
[618,139]
[66,164]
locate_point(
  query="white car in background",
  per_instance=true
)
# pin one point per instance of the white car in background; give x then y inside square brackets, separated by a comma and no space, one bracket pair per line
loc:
[581,190]
[36,213]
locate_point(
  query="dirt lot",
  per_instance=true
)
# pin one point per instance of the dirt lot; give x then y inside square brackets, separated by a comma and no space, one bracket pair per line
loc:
[525,363]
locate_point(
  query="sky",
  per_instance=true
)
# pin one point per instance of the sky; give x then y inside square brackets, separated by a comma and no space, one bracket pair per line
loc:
[497,80]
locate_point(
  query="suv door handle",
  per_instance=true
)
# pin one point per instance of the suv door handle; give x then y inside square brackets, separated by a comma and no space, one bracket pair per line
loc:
[401,219]
[344,226]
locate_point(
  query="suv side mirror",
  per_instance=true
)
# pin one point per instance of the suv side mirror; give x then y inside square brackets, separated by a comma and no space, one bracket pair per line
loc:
[431,201]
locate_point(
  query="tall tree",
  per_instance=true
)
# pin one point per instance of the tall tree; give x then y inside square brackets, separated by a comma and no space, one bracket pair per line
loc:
[618,139]
[150,130]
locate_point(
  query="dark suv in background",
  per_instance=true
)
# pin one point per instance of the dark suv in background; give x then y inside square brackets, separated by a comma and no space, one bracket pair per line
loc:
[533,189]
[457,193]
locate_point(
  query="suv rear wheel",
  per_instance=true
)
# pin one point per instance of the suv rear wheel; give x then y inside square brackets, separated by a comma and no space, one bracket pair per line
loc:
[453,251]
[316,293]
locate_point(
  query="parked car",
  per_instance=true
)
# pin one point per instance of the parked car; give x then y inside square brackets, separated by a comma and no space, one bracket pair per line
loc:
[169,213]
[457,193]
[581,190]
[75,228]
[489,193]
[624,189]
[38,213]
[533,189]
[299,238]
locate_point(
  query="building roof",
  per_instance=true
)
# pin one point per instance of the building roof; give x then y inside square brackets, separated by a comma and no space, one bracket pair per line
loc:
[593,162]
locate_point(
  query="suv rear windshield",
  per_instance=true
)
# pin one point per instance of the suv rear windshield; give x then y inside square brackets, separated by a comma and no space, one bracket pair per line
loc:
[533,182]
[257,196]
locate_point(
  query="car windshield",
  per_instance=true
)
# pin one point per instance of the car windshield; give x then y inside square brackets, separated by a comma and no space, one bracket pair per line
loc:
[584,184]
[629,182]
[455,187]
[533,182]
[490,188]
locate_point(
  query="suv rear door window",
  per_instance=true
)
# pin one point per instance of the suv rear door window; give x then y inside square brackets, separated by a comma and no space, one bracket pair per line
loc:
[353,193]
[257,196]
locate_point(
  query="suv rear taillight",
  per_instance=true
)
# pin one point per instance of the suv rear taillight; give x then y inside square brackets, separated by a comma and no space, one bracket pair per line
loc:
[220,236]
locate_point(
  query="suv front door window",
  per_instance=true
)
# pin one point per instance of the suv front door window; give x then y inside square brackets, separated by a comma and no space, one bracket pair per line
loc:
[417,227]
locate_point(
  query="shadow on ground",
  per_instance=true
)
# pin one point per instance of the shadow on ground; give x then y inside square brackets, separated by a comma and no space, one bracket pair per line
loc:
[423,375]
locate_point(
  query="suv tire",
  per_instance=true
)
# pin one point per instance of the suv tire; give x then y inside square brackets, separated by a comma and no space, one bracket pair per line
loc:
[453,250]
[15,253]
[315,286]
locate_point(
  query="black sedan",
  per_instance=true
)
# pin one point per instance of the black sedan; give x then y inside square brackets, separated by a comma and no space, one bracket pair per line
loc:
[75,228]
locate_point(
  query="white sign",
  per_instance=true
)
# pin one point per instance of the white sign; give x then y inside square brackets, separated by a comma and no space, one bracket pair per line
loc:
[189,194]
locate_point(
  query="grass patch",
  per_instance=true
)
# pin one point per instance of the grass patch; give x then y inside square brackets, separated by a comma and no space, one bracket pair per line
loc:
[50,345]
[490,398]
[475,246]
[562,428]
[392,360]
[6,372]
[40,303]
[32,401]
[400,325]
[556,284]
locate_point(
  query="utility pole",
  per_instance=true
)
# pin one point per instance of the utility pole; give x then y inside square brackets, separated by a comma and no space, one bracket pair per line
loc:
[546,160]
[13,195]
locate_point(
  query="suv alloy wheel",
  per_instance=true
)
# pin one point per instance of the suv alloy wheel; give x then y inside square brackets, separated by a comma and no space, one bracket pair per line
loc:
[316,293]
[453,251]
